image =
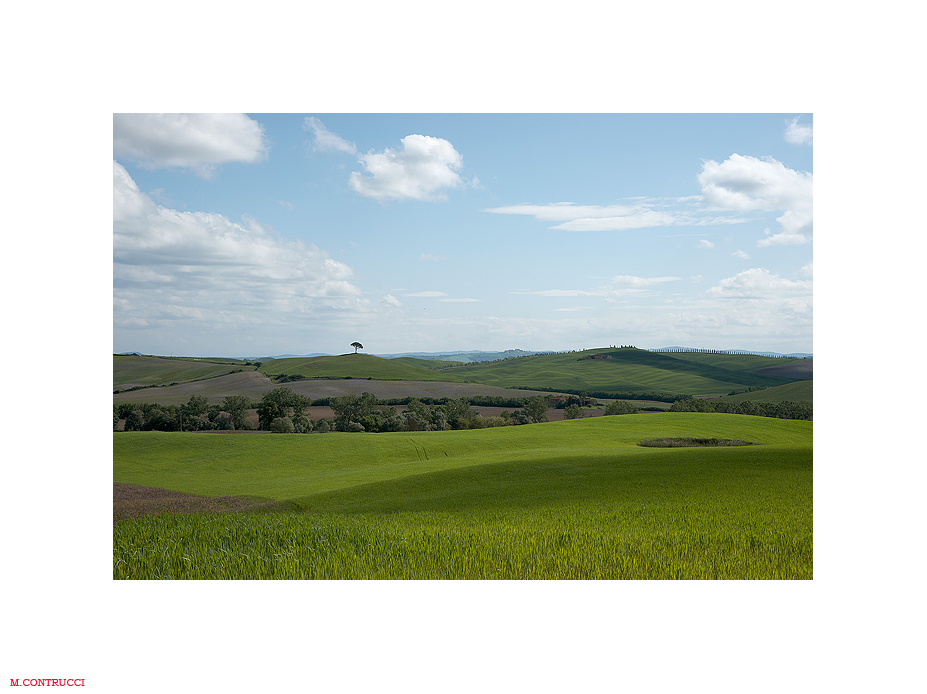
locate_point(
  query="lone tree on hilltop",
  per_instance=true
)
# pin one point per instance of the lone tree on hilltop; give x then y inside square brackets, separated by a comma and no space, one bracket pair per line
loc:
[356,346]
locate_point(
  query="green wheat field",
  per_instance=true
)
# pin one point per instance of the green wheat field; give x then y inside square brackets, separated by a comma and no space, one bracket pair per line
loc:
[576,499]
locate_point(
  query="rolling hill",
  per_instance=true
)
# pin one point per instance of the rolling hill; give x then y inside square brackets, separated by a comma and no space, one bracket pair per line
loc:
[599,372]
[364,366]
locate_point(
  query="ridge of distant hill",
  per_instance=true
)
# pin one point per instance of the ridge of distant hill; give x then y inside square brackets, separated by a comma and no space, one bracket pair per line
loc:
[759,353]
[465,356]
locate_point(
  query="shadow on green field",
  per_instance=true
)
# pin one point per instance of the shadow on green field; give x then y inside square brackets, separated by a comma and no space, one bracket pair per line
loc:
[720,477]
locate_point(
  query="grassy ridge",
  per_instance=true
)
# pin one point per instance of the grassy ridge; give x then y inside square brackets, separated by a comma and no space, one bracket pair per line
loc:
[625,370]
[355,366]
[565,500]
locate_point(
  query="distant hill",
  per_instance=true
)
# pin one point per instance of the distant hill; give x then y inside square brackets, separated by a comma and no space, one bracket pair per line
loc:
[626,370]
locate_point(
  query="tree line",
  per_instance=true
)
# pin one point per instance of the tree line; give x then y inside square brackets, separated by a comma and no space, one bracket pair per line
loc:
[194,415]
[803,409]
[283,411]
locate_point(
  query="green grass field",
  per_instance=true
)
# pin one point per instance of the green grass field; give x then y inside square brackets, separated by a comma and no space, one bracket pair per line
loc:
[564,500]
[627,370]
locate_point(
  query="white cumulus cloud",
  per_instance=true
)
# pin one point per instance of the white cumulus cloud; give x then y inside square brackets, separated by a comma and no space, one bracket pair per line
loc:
[748,183]
[198,141]
[422,169]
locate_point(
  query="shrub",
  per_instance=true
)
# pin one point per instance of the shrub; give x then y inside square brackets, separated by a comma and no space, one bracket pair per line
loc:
[572,411]
[620,407]
[302,424]
[282,425]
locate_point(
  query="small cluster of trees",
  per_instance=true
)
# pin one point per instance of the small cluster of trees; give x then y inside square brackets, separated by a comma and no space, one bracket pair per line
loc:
[787,409]
[284,411]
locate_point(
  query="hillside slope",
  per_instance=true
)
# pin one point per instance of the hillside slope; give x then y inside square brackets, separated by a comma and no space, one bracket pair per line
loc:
[131,370]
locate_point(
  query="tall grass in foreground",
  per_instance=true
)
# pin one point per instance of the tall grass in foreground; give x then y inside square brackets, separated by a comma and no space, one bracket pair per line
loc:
[592,544]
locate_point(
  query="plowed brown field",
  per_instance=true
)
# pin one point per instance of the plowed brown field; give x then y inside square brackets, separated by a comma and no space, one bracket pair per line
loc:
[131,501]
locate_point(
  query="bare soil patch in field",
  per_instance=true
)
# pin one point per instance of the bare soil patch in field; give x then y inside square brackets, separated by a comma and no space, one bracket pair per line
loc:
[132,501]
[249,383]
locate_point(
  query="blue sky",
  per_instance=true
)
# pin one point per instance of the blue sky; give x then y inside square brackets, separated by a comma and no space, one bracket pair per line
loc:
[261,234]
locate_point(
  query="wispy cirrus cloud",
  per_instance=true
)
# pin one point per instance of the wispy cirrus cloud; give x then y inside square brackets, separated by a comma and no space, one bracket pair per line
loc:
[619,286]
[738,185]
[324,140]
[640,213]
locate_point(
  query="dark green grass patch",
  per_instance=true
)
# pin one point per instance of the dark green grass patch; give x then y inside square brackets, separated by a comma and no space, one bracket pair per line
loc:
[689,442]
